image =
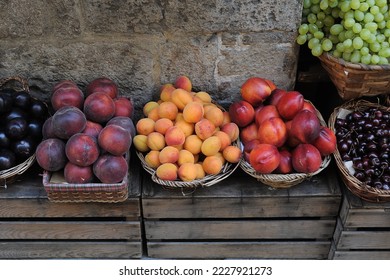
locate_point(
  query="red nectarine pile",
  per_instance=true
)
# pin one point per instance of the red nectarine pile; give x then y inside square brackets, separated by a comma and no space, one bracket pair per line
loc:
[280,130]
[87,137]
[185,136]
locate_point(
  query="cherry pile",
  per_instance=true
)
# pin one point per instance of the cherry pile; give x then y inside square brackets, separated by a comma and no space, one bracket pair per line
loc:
[363,138]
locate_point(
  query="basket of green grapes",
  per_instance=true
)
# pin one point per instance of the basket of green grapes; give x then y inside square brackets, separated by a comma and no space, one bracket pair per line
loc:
[352,40]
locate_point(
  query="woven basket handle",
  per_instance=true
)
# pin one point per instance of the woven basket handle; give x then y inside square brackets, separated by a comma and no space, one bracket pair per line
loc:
[22,83]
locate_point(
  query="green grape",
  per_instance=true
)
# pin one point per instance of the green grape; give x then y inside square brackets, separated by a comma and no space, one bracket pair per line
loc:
[372,26]
[355,57]
[355,4]
[380,3]
[317,50]
[388,24]
[305,12]
[372,38]
[345,7]
[301,39]
[349,22]
[321,16]
[313,42]
[357,27]
[315,9]
[336,29]
[364,7]
[341,36]
[357,43]
[386,32]
[306,4]
[379,17]
[384,10]
[364,51]
[346,56]
[319,23]
[303,29]
[366,59]
[333,4]
[335,13]
[309,36]
[381,24]
[349,34]
[328,21]
[384,52]
[327,45]
[374,10]
[324,4]
[365,34]
[380,38]
[315,1]
[368,18]
[313,28]
[350,49]
[383,60]
[375,59]
[333,38]
[336,53]
[349,14]
[311,18]
[347,43]
[319,35]
[358,15]
[370,2]
[340,47]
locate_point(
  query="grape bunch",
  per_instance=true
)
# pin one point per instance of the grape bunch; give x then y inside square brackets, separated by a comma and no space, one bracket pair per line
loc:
[357,31]
[363,137]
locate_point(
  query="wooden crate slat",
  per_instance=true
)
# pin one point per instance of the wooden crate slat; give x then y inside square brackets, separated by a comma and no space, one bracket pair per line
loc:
[364,240]
[245,250]
[70,250]
[361,255]
[70,230]
[239,229]
[249,207]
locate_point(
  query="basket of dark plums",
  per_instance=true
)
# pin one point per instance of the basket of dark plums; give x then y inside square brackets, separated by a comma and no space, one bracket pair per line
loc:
[362,130]
[22,117]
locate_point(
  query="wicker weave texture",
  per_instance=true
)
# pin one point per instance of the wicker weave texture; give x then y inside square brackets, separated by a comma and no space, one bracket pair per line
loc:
[354,80]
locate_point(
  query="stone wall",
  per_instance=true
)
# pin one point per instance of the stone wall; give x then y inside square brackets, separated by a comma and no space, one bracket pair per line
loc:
[141,44]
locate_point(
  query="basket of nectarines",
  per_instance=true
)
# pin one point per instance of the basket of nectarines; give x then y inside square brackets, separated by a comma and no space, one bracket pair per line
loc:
[86,143]
[285,138]
[185,139]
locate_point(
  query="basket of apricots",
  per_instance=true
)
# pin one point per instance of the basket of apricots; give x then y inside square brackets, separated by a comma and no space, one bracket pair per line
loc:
[285,138]
[185,139]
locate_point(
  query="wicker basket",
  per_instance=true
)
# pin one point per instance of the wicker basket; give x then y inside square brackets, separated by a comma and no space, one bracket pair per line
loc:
[9,175]
[58,191]
[283,181]
[354,80]
[207,181]
[357,187]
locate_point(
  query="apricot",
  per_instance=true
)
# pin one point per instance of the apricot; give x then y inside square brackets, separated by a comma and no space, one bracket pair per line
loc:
[162,125]
[166,92]
[211,146]
[167,171]
[115,139]
[169,154]
[232,130]
[149,106]
[204,129]
[155,141]
[193,112]
[203,96]
[226,118]
[140,142]
[224,138]
[183,82]
[193,144]
[221,157]
[212,165]
[187,172]
[186,127]
[215,115]
[174,136]
[99,107]
[82,149]
[152,159]
[232,154]
[181,98]
[200,174]
[167,109]
[153,114]
[185,156]
[145,126]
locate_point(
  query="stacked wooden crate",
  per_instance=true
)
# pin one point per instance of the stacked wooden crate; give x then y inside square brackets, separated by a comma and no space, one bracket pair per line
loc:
[363,230]
[33,227]
[242,218]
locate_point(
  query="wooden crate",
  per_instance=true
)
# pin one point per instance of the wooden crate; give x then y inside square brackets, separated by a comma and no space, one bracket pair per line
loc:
[32,227]
[242,218]
[362,231]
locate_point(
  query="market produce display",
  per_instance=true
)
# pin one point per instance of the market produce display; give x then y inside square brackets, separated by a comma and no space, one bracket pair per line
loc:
[185,136]
[280,130]
[21,122]
[88,136]
[357,31]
